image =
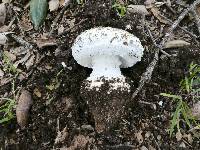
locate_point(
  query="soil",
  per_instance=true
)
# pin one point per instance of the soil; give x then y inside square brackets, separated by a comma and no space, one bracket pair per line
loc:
[61,119]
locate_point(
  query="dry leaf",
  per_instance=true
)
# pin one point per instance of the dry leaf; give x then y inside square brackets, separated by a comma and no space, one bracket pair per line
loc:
[37,92]
[21,50]
[3,39]
[61,2]
[198,9]
[143,148]
[66,2]
[61,136]
[148,134]
[176,43]
[22,110]
[189,137]
[53,5]
[138,9]
[139,137]
[80,142]
[182,145]
[4,28]
[10,56]
[179,136]
[5,81]
[67,102]
[6,1]
[30,62]
[60,29]
[151,148]
[44,42]
[196,110]
[2,13]
[149,3]
[22,60]
[25,24]
[71,22]
[1,73]
[155,11]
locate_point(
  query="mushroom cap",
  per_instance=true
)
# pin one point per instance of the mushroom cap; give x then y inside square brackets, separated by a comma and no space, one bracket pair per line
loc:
[107,41]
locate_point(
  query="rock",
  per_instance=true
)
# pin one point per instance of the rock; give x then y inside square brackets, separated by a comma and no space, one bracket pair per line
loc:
[22,110]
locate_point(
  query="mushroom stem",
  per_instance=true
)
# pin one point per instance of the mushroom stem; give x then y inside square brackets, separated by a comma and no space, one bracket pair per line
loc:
[107,67]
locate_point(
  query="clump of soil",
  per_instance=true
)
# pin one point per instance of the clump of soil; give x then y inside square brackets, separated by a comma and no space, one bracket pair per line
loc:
[106,104]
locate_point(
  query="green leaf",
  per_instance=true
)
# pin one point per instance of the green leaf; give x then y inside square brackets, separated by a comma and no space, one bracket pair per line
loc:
[187,86]
[186,114]
[38,12]
[175,119]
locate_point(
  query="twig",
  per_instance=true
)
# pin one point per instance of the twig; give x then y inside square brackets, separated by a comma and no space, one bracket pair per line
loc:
[22,41]
[154,42]
[58,17]
[176,23]
[152,105]
[186,31]
[146,76]
[11,22]
[120,146]
[197,19]
[170,8]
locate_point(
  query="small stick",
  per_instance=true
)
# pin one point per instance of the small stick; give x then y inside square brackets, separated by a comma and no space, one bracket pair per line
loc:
[152,105]
[176,23]
[58,17]
[11,22]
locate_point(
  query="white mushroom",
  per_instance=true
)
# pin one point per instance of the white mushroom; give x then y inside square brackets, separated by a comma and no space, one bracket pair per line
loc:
[106,50]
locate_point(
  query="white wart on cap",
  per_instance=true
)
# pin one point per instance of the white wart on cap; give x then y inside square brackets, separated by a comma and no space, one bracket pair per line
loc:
[106,50]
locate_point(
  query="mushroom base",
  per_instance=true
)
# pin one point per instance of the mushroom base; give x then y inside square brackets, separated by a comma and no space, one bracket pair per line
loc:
[106,107]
